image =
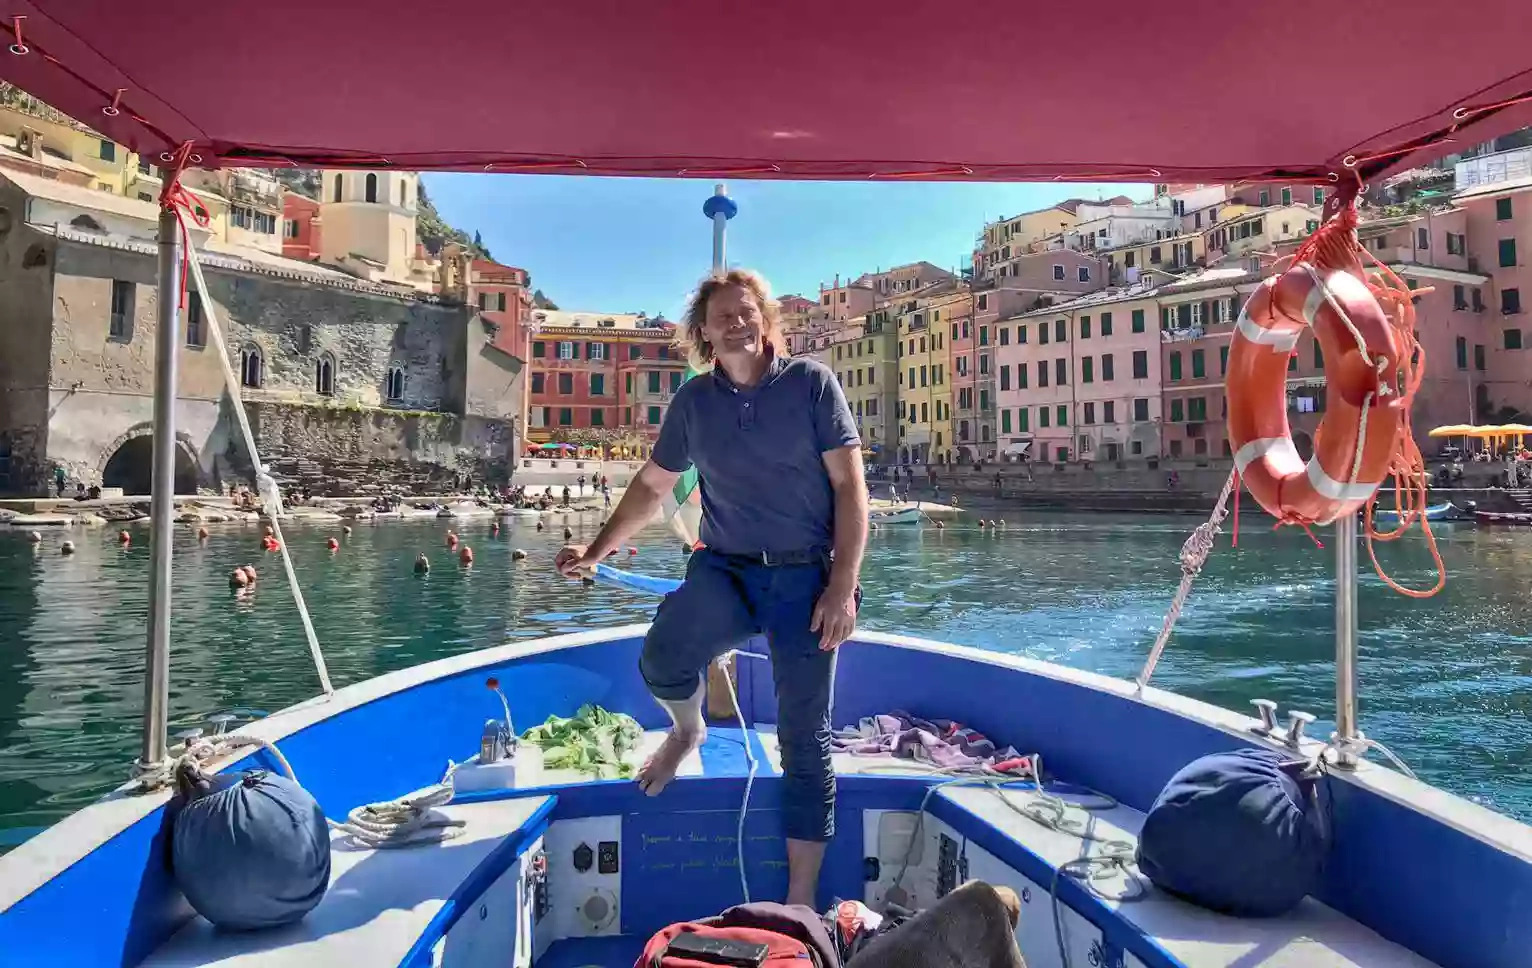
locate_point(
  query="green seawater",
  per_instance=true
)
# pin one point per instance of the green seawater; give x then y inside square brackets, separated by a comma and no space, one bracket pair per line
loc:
[1446,682]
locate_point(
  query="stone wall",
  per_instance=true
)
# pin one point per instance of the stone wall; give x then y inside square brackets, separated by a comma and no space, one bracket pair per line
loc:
[71,393]
[26,269]
[332,450]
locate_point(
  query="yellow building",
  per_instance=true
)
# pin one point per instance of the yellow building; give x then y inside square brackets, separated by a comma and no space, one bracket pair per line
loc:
[34,129]
[1177,253]
[244,205]
[924,407]
[863,358]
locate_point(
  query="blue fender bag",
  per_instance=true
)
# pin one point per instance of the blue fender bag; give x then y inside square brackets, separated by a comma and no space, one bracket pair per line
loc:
[249,850]
[1240,833]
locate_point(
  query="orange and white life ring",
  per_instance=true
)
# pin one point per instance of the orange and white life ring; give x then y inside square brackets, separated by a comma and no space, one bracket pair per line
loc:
[1356,439]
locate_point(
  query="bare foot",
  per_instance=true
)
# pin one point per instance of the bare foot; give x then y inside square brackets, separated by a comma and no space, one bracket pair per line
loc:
[660,769]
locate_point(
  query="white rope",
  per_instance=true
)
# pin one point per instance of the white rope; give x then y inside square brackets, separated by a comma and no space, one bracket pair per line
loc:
[1194,554]
[1115,857]
[1358,746]
[407,821]
[265,484]
[404,822]
[752,765]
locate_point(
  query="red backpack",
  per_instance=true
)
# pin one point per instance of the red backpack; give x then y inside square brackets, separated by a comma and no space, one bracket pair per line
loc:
[782,951]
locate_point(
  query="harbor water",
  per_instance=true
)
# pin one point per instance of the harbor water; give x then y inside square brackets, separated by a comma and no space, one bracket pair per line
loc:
[1445,682]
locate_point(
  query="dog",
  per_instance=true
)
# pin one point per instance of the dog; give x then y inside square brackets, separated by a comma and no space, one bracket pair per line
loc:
[972,927]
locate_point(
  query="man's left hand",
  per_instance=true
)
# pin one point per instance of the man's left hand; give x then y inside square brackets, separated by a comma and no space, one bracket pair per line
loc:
[834,615]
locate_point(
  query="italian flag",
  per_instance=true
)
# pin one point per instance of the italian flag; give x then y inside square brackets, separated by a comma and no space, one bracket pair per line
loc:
[682,508]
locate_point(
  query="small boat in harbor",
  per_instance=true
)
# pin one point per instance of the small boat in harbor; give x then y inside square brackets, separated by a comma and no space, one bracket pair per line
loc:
[1446,511]
[1518,519]
[904,515]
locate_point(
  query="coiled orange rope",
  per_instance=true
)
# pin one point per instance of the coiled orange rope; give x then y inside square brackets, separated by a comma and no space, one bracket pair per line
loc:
[1335,246]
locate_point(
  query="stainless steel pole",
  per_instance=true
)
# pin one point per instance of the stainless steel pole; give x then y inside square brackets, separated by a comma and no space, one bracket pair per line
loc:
[167,345]
[1345,636]
[720,227]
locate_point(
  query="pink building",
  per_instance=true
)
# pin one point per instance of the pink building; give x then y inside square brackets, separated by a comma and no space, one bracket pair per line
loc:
[1080,380]
[1498,236]
[300,227]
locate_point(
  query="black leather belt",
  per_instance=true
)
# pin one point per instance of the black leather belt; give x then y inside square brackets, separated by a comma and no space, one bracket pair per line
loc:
[777,559]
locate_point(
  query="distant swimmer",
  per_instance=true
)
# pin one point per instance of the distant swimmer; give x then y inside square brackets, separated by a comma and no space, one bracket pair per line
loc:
[332,544]
[451,539]
[518,555]
[422,564]
[34,537]
[568,533]
[238,579]
[250,573]
[539,526]
[346,530]
[67,548]
[202,534]
[465,557]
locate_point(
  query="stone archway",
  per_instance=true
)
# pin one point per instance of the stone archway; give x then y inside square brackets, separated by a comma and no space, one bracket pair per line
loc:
[128,463]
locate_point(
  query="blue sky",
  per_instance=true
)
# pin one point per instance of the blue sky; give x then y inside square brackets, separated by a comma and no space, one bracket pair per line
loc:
[631,244]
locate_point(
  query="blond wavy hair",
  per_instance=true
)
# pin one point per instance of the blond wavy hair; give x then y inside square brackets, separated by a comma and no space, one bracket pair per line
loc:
[690,338]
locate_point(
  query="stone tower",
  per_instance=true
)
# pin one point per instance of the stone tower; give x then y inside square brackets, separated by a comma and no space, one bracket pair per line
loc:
[369,223]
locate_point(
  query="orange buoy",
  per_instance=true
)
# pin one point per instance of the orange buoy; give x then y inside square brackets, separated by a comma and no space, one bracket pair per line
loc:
[332,544]
[465,557]
[123,537]
[1357,437]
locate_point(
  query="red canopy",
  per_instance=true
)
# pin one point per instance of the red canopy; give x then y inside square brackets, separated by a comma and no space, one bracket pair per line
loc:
[1109,90]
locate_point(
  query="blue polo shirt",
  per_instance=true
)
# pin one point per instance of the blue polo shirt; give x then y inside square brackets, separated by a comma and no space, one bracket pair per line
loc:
[758,452]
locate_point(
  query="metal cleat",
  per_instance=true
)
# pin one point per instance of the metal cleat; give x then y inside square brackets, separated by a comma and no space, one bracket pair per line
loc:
[188,736]
[1268,711]
[1297,719]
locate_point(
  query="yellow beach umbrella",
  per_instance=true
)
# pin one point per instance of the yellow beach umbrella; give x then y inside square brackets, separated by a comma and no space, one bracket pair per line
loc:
[1451,430]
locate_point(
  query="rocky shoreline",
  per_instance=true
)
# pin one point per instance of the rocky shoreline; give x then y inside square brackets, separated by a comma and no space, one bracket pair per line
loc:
[68,514]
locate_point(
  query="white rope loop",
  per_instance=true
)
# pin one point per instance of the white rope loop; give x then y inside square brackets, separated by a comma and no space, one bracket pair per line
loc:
[266,485]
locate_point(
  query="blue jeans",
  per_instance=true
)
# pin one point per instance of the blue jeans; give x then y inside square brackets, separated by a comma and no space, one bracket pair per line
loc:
[725,601]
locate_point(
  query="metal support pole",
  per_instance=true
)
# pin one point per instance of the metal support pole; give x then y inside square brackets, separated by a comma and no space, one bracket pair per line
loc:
[1345,637]
[719,209]
[720,228]
[167,343]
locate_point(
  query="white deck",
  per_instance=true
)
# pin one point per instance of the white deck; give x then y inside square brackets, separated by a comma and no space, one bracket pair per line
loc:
[1312,936]
[379,903]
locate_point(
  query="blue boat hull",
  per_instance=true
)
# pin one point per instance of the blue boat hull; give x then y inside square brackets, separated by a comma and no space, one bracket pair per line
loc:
[1445,881]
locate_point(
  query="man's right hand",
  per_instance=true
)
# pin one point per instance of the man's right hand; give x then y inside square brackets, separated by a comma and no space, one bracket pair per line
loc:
[575,561]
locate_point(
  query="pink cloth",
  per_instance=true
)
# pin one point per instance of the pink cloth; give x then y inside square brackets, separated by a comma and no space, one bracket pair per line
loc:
[940,743]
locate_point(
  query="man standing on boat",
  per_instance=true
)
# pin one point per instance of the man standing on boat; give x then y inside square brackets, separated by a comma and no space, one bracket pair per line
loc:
[784,521]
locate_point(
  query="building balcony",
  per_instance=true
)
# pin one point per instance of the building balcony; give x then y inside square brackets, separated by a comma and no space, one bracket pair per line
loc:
[254,190]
